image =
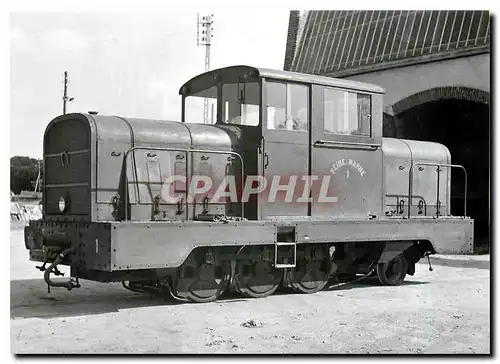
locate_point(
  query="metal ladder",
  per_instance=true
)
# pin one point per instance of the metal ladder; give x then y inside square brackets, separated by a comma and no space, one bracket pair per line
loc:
[285,265]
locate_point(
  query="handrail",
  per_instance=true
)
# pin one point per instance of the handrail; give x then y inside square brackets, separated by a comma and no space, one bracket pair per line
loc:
[186,151]
[438,165]
[352,145]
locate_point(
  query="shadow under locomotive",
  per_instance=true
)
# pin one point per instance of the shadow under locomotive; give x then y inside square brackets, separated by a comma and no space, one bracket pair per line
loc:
[29,298]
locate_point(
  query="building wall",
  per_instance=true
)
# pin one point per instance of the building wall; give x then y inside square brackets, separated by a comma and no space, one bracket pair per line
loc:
[471,72]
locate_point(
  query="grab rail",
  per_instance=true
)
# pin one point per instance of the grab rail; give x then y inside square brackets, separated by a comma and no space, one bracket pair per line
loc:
[349,145]
[186,151]
[438,165]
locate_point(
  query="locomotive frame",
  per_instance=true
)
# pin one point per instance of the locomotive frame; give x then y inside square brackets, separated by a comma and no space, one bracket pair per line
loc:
[115,226]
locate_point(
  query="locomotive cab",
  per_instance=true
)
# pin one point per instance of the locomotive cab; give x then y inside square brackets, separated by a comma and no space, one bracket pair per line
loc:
[316,141]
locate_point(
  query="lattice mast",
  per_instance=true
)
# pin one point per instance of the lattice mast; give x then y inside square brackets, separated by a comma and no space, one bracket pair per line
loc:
[204,38]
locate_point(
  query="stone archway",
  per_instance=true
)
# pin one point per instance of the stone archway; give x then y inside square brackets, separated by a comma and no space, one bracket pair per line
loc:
[441,93]
[459,118]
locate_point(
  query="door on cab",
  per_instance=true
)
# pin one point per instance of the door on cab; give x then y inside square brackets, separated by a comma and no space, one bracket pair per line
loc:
[285,130]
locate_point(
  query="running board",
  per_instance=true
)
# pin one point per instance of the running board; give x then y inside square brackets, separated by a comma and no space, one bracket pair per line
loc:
[283,251]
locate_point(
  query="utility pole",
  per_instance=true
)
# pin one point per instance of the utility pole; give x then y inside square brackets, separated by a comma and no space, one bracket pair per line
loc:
[65,94]
[37,183]
[206,40]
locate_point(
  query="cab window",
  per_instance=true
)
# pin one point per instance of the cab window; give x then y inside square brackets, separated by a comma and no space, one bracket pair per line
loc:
[195,106]
[240,103]
[287,106]
[347,113]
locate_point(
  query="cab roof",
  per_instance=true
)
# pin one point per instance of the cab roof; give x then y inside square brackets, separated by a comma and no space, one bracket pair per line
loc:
[236,73]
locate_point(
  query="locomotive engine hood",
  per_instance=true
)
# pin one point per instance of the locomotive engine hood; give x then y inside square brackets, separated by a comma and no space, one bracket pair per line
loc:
[96,145]
[163,133]
[399,157]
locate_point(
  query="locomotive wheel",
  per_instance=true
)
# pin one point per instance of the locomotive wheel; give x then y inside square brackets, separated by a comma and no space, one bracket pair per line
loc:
[393,273]
[200,282]
[256,278]
[312,271]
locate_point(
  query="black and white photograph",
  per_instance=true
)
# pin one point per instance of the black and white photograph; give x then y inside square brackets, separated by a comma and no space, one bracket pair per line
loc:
[250,179]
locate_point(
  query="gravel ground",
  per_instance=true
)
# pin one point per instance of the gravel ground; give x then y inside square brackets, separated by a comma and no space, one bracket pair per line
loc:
[444,311]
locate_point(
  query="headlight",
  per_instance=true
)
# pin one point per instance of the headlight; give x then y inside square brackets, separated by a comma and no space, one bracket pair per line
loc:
[62,204]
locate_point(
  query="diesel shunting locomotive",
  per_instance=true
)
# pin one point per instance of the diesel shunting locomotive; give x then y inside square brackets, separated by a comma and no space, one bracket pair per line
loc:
[309,193]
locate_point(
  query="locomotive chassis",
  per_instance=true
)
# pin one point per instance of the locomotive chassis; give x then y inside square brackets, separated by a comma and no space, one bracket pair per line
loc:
[141,246]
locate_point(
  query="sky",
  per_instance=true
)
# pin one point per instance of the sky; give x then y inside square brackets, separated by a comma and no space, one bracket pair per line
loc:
[127,64]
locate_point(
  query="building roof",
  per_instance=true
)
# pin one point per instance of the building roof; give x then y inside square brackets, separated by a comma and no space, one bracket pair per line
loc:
[343,43]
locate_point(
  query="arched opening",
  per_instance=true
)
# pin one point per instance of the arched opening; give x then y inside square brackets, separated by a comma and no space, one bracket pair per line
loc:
[459,118]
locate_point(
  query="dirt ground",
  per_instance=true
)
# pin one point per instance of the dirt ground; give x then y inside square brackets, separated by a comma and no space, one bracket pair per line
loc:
[444,311]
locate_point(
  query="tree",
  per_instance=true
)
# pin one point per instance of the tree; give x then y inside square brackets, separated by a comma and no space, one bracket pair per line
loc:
[23,173]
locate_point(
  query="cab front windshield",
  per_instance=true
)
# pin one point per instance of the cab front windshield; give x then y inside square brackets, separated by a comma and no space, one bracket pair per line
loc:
[227,103]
